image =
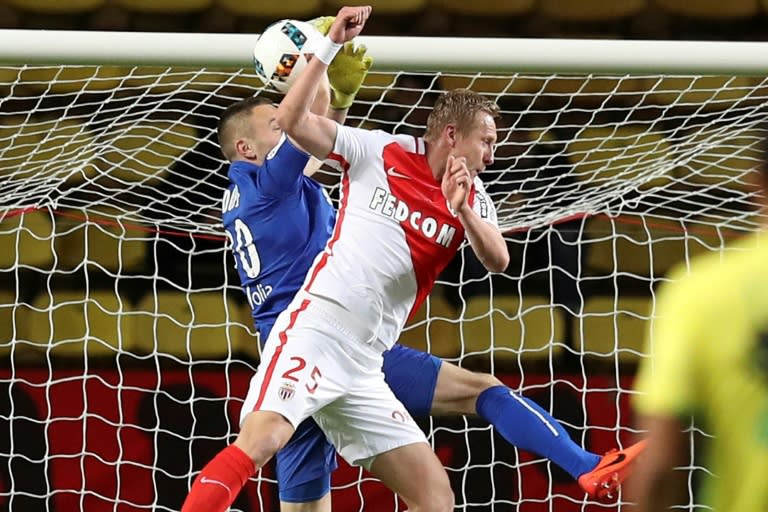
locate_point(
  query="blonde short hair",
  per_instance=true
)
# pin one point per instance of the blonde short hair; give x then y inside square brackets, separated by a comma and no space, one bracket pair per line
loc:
[458,107]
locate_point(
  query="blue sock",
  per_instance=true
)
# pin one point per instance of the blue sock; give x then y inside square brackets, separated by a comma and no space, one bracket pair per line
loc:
[527,426]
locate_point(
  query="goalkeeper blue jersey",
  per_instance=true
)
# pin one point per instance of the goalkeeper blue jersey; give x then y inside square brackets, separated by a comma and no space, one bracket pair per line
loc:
[277,220]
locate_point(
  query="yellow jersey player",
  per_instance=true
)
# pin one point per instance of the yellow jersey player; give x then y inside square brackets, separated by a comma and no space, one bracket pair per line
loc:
[709,362]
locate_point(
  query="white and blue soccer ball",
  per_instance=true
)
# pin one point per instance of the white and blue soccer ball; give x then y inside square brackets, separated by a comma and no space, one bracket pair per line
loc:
[279,55]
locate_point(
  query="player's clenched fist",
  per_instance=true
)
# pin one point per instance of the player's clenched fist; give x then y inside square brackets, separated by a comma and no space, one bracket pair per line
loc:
[456,182]
[349,23]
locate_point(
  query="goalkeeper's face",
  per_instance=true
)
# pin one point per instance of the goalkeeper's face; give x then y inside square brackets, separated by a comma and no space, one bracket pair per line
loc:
[262,133]
[477,143]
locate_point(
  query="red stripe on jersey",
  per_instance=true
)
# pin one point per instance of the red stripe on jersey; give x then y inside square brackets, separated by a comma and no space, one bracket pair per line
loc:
[432,233]
[340,159]
[279,350]
[339,221]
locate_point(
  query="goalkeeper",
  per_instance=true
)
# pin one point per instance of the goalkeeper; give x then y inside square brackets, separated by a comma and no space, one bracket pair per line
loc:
[279,220]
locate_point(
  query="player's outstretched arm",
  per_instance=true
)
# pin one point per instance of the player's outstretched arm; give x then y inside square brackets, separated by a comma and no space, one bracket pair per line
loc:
[315,133]
[346,75]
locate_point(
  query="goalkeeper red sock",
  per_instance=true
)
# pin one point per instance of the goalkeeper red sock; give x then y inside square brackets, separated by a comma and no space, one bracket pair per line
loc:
[220,481]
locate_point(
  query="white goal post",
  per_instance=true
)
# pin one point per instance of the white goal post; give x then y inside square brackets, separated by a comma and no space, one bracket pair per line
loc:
[126,344]
[395,53]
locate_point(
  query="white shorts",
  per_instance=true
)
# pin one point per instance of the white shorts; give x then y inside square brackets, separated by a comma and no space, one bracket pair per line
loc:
[317,363]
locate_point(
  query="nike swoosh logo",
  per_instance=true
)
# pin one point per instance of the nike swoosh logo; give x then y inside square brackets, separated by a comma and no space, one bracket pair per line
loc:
[206,480]
[393,172]
[619,458]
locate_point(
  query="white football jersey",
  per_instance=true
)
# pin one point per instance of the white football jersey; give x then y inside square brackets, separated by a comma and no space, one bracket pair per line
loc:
[394,231]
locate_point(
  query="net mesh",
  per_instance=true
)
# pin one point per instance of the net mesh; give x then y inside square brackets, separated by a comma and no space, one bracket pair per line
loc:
[128,343]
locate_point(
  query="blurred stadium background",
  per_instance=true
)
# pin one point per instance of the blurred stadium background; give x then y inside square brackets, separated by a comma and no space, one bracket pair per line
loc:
[638,19]
[126,342]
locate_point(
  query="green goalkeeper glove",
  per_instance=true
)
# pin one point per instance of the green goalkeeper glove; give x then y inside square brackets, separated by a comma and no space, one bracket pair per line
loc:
[346,74]
[322,23]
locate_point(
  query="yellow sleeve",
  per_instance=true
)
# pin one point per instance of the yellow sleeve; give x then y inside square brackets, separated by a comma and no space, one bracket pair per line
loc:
[667,382]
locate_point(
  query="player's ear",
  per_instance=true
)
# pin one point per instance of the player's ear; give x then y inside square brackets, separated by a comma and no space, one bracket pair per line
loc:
[244,149]
[450,134]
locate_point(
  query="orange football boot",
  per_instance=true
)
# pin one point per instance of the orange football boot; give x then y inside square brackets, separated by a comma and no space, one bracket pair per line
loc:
[603,482]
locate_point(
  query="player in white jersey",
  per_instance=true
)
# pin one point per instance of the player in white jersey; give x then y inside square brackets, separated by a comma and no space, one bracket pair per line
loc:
[396,231]
[406,206]
[324,355]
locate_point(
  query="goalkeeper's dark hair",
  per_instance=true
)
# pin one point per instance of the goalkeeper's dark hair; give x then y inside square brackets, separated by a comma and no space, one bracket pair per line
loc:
[233,113]
[458,107]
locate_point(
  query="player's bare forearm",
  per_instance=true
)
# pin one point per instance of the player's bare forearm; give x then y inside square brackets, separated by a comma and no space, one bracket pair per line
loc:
[322,99]
[338,115]
[314,168]
[486,240]
[315,133]
[655,485]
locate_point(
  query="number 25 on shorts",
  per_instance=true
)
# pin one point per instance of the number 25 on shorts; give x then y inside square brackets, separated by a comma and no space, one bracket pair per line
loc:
[300,364]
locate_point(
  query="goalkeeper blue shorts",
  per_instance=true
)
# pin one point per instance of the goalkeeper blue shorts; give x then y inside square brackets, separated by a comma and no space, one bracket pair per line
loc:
[412,376]
[305,464]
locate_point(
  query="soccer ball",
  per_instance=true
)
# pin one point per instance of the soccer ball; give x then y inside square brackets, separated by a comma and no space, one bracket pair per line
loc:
[279,53]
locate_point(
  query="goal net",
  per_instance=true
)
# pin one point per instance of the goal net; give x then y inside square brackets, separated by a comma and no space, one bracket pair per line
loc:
[127,344]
